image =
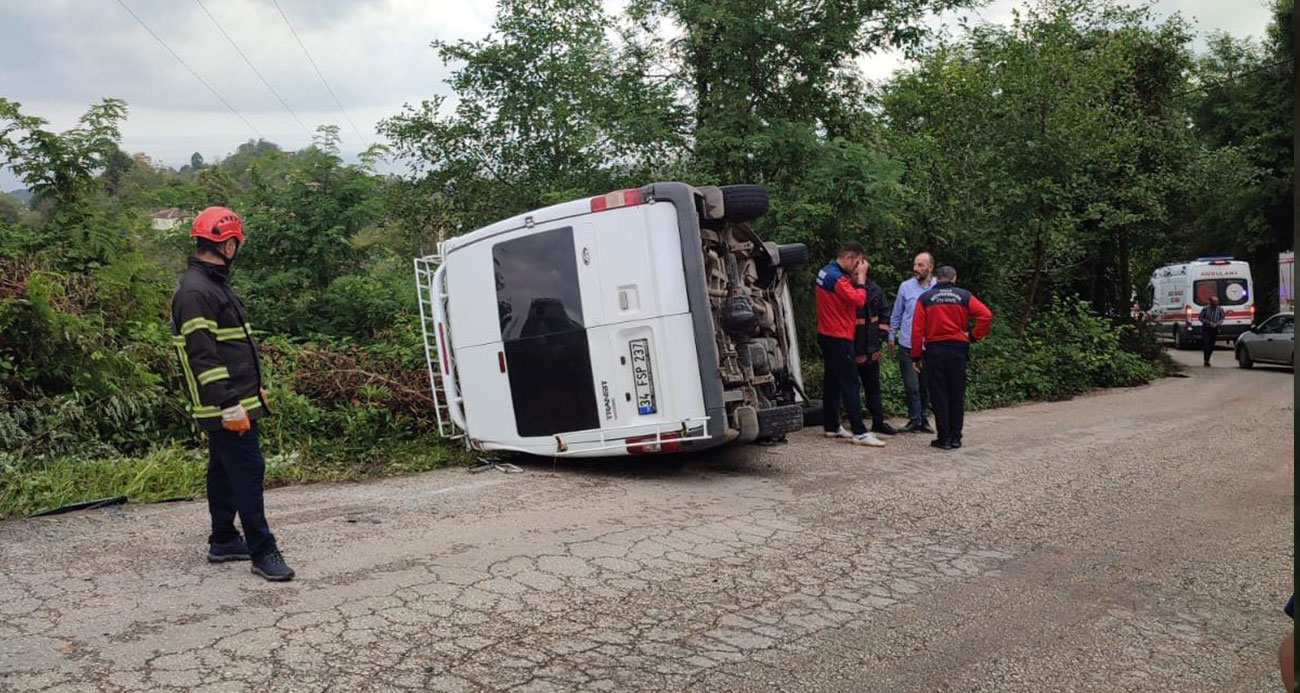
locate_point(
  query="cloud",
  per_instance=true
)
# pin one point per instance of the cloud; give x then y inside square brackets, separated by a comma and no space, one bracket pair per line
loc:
[1240,19]
[59,56]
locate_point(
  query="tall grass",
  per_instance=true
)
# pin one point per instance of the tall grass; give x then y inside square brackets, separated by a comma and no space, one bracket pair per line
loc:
[32,484]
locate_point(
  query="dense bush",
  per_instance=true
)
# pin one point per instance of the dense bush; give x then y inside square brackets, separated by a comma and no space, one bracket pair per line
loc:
[1068,350]
[87,370]
[91,402]
[84,360]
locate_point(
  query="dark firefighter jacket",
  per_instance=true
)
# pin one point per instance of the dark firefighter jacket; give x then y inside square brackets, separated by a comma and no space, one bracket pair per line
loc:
[871,316]
[214,343]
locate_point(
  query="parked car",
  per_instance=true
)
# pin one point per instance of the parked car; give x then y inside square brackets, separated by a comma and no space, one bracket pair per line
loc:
[646,320]
[1272,341]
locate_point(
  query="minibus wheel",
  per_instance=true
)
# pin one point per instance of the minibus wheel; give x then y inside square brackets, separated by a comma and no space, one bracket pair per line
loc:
[742,203]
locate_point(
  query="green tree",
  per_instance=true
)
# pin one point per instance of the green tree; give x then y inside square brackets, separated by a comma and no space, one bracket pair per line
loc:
[115,169]
[770,81]
[60,167]
[548,108]
[218,186]
[1043,156]
[1242,107]
[774,96]
[302,232]
[12,210]
[62,170]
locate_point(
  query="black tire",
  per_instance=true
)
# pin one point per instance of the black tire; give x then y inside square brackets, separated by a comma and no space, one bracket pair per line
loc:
[812,414]
[778,421]
[791,254]
[1180,342]
[1243,357]
[742,203]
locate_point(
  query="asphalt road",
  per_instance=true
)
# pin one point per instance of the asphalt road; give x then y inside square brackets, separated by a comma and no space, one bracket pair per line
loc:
[1136,540]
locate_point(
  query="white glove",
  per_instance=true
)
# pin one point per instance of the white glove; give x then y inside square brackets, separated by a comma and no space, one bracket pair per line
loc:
[235,419]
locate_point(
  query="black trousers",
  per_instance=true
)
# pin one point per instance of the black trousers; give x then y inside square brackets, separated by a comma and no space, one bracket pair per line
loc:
[1209,335]
[236,470]
[945,364]
[869,374]
[840,384]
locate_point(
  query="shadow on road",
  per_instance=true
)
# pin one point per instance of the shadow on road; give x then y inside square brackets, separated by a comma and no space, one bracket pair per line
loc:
[729,461]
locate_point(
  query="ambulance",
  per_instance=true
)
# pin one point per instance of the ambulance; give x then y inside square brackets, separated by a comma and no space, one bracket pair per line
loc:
[641,321]
[1179,291]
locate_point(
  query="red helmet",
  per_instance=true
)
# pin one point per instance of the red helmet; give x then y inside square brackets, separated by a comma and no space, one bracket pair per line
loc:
[218,224]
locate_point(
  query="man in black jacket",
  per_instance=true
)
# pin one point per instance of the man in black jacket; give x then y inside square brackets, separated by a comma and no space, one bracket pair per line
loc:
[1211,318]
[872,330]
[223,376]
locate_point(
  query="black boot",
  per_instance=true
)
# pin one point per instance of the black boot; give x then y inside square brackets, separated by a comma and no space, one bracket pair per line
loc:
[883,428]
[272,567]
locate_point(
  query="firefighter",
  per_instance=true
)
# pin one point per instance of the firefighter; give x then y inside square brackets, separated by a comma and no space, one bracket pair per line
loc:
[942,335]
[223,376]
[873,330]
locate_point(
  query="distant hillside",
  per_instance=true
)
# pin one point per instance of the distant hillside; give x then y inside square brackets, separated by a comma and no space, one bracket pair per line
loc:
[23,194]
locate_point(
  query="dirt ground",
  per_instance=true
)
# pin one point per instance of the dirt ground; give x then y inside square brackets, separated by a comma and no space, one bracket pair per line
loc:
[1133,540]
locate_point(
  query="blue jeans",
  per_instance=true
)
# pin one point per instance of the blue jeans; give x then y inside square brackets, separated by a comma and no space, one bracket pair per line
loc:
[235,474]
[918,400]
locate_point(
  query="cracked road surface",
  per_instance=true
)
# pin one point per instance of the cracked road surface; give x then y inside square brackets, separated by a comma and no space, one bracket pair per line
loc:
[1134,540]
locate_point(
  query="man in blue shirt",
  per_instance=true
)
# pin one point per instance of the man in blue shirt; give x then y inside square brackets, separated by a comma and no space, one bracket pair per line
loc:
[900,331]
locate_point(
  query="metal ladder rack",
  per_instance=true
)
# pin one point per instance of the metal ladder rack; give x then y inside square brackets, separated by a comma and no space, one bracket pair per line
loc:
[425,274]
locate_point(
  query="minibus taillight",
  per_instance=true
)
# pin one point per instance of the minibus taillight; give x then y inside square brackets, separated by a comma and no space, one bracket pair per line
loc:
[616,199]
[642,445]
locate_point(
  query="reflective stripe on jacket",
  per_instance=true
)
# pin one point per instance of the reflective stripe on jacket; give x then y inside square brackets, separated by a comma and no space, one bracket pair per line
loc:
[215,347]
[873,315]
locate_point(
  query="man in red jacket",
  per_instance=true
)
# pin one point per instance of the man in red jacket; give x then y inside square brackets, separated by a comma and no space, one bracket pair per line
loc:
[840,294]
[941,333]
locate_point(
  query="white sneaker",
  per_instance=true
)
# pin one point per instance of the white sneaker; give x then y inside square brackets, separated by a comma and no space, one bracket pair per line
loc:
[837,434]
[869,439]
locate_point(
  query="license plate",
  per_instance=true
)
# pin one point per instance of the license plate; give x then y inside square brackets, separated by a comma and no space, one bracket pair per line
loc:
[643,379]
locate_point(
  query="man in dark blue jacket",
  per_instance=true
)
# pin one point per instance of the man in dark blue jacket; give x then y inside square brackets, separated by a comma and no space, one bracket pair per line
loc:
[1211,319]
[873,330]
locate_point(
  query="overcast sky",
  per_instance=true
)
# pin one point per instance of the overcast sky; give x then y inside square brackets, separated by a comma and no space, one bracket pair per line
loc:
[58,56]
